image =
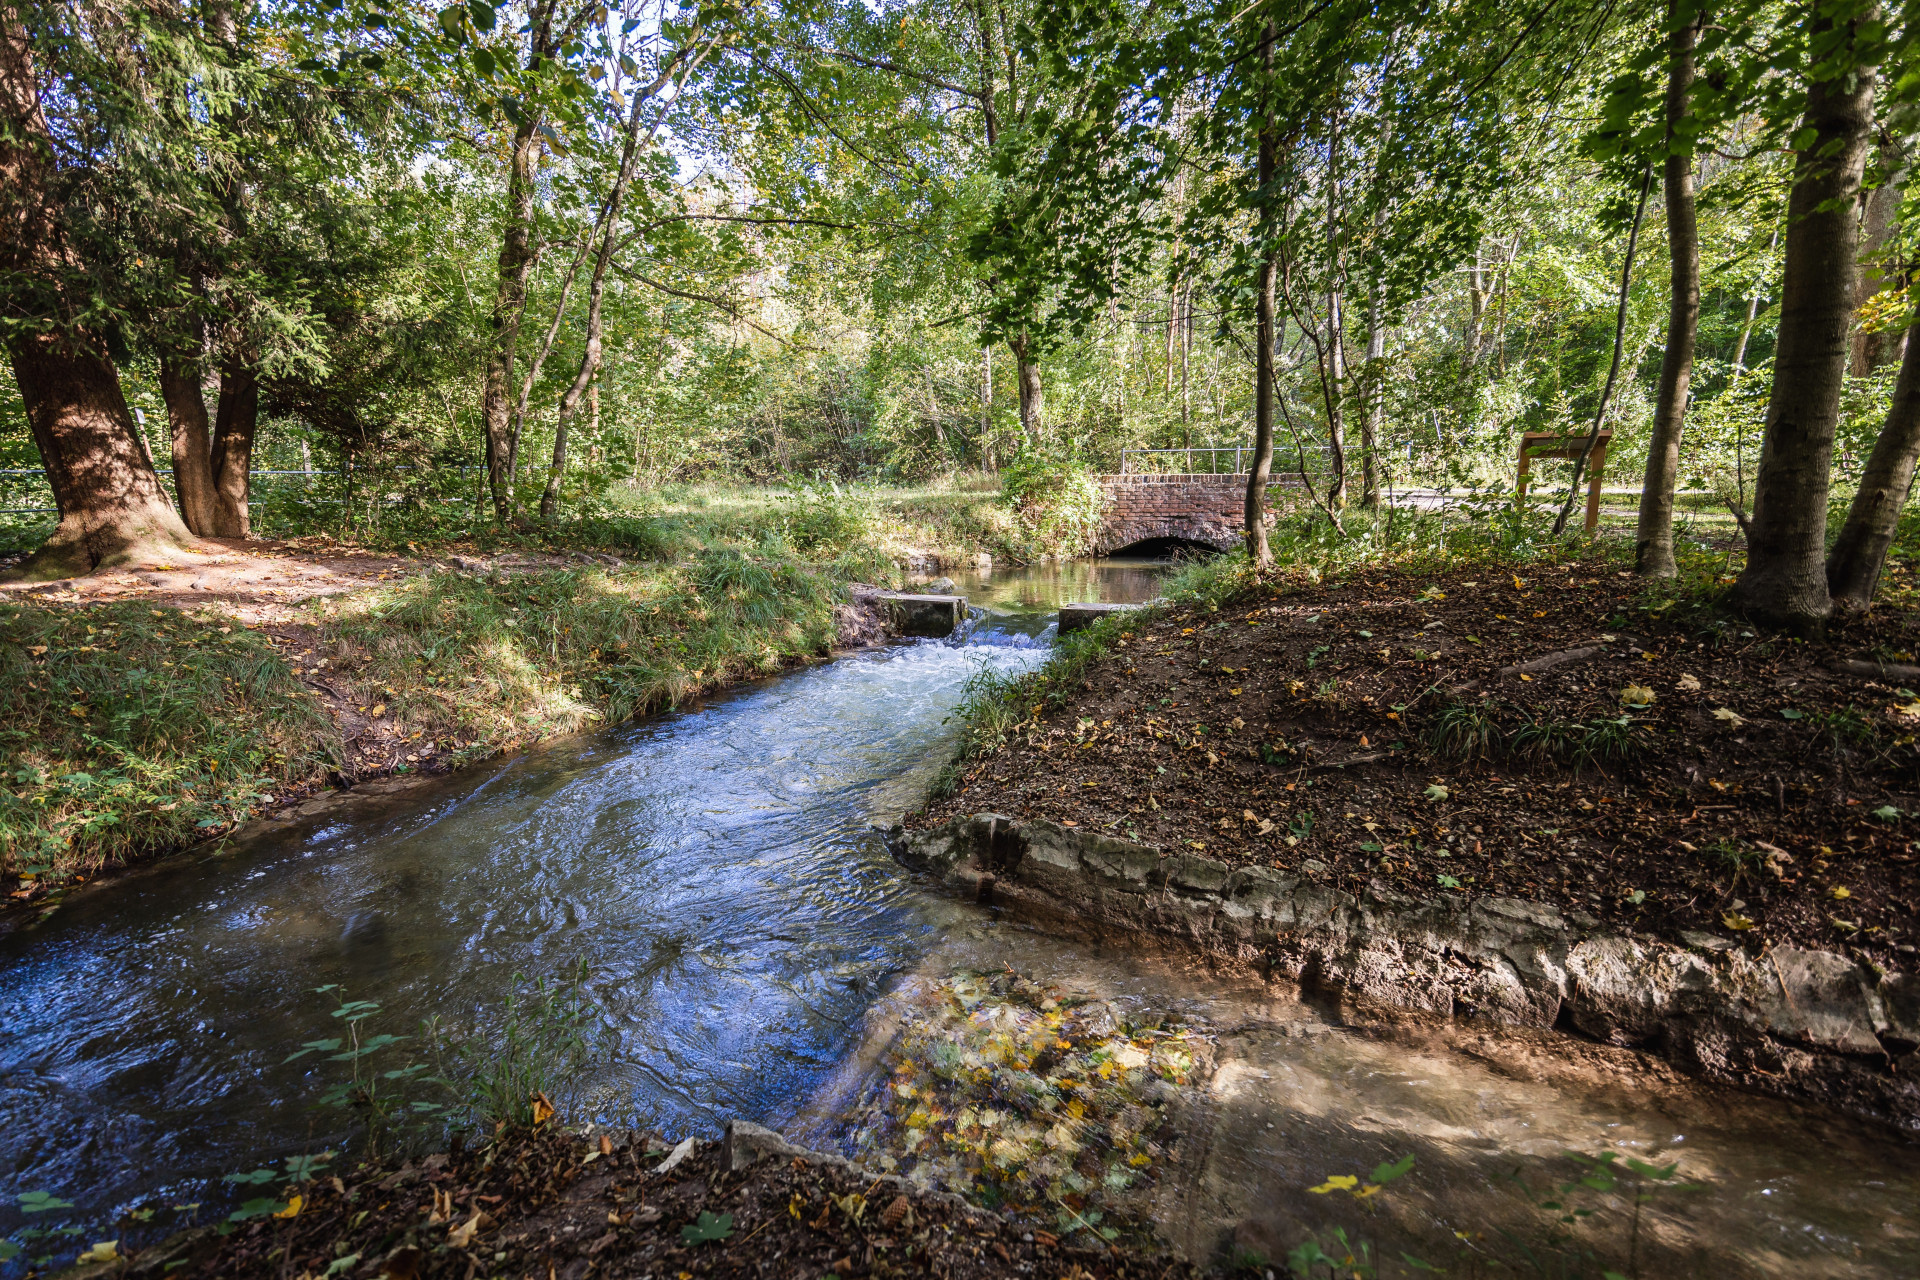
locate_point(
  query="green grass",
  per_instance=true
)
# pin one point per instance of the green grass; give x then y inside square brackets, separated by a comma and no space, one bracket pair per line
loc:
[125,728]
[497,661]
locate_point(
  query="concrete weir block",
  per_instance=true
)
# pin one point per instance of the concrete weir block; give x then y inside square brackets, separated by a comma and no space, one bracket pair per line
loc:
[933,616]
[1075,616]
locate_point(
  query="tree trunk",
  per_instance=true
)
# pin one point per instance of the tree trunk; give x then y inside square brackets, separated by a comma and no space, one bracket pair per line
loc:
[1853,566]
[234,422]
[609,227]
[1653,542]
[1255,514]
[1032,399]
[112,508]
[1375,414]
[192,443]
[1785,579]
[510,281]
[1871,350]
[1336,318]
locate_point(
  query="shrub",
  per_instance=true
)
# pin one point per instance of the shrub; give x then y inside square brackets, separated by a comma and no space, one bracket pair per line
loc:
[1057,501]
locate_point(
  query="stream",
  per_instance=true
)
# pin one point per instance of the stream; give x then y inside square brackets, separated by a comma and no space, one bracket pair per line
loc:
[749,942]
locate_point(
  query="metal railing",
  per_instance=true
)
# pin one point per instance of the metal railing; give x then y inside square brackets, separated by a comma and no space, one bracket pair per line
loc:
[1143,462]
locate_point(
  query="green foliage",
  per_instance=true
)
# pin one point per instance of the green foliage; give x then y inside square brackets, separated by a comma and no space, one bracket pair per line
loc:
[1057,501]
[708,1228]
[536,1045]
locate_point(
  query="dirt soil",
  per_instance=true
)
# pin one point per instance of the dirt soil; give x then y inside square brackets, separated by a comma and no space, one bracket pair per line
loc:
[258,580]
[1555,735]
[555,1206]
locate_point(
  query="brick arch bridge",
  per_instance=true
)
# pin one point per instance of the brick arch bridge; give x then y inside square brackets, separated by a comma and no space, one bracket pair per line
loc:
[1195,510]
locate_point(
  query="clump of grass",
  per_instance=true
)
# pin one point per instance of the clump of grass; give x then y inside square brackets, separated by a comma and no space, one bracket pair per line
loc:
[1464,731]
[125,729]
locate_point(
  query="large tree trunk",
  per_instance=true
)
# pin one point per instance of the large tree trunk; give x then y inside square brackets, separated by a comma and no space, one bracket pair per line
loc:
[192,443]
[1785,580]
[1653,542]
[112,508]
[509,303]
[510,281]
[235,421]
[1032,399]
[1255,515]
[1858,555]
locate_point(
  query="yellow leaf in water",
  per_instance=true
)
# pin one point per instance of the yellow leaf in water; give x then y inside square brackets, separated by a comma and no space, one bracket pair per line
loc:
[1338,1182]
[1736,922]
[293,1208]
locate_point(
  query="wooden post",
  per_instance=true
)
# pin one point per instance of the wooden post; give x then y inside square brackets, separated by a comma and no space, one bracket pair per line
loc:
[1596,464]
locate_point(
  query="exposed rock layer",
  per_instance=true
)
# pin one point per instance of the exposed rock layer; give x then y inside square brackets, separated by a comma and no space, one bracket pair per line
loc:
[1788,1021]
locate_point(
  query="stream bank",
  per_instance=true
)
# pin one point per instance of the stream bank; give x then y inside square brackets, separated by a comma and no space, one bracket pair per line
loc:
[1534,795]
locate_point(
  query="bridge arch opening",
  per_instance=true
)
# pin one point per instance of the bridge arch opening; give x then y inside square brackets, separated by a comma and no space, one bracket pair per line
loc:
[1166,548]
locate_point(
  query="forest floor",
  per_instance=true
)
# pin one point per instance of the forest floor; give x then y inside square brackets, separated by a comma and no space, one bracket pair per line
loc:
[549,1203]
[146,708]
[1555,732]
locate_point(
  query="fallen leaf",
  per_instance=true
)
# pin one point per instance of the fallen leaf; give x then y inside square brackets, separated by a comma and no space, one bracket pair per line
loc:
[1730,716]
[462,1236]
[1636,695]
[1338,1182]
[1437,792]
[102,1251]
[1736,922]
[542,1108]
[293,1207]
[36,649]
[1839,891]
[1688,684]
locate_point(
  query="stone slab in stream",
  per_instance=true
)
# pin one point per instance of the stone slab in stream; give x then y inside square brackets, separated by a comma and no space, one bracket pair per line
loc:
[924,615]
[1075,616]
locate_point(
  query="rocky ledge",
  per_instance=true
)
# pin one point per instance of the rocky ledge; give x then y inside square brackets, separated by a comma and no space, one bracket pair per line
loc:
[1787,1021]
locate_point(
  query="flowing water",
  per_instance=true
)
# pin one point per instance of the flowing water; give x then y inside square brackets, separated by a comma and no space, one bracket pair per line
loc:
[747,935]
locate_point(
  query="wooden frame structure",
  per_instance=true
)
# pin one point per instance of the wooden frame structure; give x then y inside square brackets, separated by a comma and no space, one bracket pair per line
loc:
[1552,444]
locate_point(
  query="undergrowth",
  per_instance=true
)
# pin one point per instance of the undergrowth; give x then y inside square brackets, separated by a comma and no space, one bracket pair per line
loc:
[124,727]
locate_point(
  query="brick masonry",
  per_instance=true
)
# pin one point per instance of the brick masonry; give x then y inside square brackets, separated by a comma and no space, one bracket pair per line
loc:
[1207,509]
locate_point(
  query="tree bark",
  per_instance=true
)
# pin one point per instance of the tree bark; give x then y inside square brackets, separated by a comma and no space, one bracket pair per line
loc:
[1653,542]
[192,443]
[235,421]
[112,508]
[1785,579]
[510,282]
[1336,319]
[1032,398]
[1859,554]
[1374,417]
[1871,350]
[1255,515]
